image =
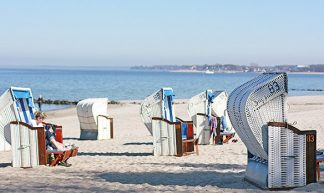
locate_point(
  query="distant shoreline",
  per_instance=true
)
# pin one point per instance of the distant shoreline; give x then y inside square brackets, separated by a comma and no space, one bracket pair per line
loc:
[305,72]
[229,72]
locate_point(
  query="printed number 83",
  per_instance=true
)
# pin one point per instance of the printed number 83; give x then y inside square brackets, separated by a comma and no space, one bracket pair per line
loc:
[273,87]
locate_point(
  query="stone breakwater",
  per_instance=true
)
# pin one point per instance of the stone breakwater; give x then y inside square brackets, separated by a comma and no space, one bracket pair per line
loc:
[63,102]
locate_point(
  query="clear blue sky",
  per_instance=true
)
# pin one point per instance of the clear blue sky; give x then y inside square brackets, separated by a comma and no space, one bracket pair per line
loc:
[138,32]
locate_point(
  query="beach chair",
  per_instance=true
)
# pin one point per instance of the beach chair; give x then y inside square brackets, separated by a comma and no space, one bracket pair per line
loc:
[171,135]
[279,155]
[27,142]
[319,159]
[95,124]
[209,115]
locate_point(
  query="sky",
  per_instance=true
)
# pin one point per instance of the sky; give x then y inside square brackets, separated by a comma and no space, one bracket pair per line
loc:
[149,32]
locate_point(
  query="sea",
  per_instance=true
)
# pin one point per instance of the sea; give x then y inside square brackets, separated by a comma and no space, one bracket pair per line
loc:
[75,84]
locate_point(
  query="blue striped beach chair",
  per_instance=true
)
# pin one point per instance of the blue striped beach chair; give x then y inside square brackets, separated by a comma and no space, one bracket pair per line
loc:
[172,135]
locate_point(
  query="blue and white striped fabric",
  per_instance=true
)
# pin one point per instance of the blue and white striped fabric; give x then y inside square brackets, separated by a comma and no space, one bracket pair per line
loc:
[24,104]
[168,104]
[210,97]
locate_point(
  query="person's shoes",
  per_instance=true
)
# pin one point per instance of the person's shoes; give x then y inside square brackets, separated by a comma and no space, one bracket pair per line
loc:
[65,164]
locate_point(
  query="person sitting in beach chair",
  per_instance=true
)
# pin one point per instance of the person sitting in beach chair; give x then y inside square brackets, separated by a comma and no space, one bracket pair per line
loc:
[52,145]
[26,142]
[172,136]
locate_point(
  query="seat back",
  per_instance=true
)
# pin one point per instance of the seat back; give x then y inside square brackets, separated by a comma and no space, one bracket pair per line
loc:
[159,104]
[200,103]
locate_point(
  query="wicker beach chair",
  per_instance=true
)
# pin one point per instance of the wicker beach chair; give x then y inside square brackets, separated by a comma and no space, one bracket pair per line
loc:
[279,155]
[27,142]
[172,135]
[319,159]
[209,115]
[95,124]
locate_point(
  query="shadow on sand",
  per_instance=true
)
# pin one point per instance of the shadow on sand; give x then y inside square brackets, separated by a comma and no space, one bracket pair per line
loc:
[113,154]
[139,143]
[205,166]
[72,138]
[195,178]
[3,165]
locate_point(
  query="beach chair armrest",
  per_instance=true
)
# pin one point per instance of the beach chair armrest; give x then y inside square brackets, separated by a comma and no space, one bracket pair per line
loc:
[205,115]
[26,125]
[55,151]
[105,116]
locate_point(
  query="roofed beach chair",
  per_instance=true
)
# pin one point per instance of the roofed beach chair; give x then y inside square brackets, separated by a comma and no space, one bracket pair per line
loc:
[171,135]
[279,155]
[27,142]
[210,118]
[95,124]
[319,159]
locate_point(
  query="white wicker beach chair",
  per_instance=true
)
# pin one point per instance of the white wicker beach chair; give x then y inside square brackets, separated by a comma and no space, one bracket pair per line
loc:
[204,109]
[17,105]
[94,120]
[171,135]
[279,155]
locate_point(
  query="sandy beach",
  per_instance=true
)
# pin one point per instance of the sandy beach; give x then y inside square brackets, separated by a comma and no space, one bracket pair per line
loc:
[126,163]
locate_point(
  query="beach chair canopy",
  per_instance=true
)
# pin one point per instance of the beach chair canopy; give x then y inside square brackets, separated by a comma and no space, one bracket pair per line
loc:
[201,103]
[93,118]
[16,104]
[219,104]
[252,105]
[159,104]
[211,104]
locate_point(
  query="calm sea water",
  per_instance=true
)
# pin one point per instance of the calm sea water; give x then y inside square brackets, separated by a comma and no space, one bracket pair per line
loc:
[77,84]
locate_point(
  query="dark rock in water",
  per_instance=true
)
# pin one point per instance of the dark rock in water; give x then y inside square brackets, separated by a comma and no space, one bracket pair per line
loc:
[317,90]
[114,102]
[66,102]
[58,102]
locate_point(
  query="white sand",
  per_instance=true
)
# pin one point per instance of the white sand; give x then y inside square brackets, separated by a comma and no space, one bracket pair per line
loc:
[126,164]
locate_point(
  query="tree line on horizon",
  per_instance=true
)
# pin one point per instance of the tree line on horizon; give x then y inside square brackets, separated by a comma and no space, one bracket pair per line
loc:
[235,68]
